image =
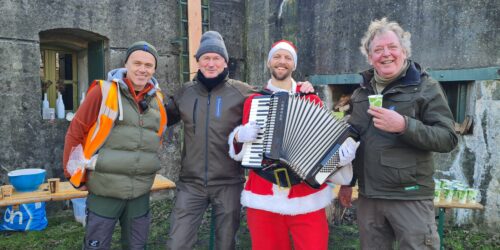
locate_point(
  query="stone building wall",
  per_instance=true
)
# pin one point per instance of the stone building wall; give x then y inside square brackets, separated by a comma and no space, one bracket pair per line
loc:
[445,35]
[27,140]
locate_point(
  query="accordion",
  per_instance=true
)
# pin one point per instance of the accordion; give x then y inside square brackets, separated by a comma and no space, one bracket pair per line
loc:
[297,132]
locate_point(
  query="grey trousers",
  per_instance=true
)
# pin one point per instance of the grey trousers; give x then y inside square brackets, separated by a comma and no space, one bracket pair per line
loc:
[191,201]
[388,224]
[104,212]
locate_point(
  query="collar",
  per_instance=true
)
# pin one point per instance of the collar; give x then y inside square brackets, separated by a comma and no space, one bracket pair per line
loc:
[139,95]
[273,88]
[412,77]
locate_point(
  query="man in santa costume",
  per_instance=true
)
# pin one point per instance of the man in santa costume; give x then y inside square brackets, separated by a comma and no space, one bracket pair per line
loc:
[279,203]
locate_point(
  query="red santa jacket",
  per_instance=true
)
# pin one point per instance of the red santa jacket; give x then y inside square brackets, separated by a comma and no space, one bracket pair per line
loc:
[260,193]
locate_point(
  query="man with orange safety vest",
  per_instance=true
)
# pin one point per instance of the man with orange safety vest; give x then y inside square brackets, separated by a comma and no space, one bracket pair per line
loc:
[119,127]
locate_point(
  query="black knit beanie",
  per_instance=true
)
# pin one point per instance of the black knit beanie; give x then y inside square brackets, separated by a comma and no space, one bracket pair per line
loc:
[144,46]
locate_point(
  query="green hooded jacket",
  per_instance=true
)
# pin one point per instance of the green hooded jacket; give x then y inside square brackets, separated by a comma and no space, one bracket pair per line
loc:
[400,166]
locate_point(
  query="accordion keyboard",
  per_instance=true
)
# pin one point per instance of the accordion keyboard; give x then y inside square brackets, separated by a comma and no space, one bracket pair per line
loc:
[258,113]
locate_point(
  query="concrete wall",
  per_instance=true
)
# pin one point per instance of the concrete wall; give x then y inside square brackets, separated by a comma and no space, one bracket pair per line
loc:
[476,159]
[228,18]
[445,35]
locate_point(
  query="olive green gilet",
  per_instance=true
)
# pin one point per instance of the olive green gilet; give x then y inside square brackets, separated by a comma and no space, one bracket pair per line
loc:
[128,161]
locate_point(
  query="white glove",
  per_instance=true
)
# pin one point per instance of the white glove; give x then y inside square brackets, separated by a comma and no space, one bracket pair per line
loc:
[347,151]
[248,132]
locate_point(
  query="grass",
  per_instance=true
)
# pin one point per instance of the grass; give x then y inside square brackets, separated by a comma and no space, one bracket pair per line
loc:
[65,234]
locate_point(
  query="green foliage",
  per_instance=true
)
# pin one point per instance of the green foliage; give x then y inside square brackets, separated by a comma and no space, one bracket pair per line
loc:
[345,237]
[463,238]
[65,234]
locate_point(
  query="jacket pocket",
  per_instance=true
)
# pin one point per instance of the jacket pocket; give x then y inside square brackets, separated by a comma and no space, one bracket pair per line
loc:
[404,104]
[399,167]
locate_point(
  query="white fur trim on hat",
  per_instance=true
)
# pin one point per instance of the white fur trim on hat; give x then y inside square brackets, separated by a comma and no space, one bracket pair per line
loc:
[285,45]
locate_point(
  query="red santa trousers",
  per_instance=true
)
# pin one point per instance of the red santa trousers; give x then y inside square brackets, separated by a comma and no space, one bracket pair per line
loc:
[273,231]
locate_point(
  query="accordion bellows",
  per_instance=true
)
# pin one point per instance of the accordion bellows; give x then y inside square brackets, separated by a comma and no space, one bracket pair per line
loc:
[298,133]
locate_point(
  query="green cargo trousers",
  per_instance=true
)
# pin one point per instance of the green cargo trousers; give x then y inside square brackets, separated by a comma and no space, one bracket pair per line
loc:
[104,212]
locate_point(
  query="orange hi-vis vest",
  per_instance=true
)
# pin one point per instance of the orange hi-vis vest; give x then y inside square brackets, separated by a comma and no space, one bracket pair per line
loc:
[99,132]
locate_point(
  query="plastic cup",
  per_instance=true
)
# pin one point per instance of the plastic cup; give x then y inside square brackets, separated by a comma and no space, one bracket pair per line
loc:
[448,194]
[375,100]
[437,184]
[338,115]
[462,195]
[445,183]
[472,195]
[437,195]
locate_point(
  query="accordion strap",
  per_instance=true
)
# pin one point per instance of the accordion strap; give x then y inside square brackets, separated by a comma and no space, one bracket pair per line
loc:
[279,175]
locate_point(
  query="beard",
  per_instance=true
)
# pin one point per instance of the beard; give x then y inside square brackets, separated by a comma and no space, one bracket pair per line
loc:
[278,77]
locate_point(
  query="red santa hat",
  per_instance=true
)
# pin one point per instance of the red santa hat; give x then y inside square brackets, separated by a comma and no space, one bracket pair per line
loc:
[286,45]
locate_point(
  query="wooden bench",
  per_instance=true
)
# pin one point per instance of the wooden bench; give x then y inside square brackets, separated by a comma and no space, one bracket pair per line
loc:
[66,192]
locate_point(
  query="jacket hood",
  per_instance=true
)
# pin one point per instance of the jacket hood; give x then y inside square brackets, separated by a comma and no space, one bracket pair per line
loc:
[117,75]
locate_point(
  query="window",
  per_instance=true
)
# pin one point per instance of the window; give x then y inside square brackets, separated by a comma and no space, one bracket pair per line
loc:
[70,60]
[456,92]
[184,58]
[58,75]
[184,34]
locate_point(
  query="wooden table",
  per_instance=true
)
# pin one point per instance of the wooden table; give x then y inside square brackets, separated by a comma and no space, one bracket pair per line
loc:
[66,192]
[441,206]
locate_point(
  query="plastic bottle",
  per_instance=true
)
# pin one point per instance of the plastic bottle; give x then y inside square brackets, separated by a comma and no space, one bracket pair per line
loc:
[60,111]
[45,103]
[45,107]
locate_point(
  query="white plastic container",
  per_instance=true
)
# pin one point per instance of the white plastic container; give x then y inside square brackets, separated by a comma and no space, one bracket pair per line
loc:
[79,206]
[60,110]
[45,103]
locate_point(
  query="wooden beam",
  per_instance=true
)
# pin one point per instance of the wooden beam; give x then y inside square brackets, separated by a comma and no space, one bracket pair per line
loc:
[194,33]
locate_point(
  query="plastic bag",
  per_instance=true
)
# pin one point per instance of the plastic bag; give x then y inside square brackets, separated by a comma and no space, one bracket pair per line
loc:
[76,159]
[29,217]
[78,164]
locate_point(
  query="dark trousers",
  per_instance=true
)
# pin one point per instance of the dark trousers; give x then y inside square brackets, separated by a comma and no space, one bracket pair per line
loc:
[104,212]
[191,201]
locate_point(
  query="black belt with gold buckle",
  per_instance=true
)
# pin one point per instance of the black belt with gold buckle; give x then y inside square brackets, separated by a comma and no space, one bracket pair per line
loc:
[279,175]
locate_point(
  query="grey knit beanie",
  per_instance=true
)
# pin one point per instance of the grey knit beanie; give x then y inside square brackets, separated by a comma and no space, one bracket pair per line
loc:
[144,46]
[211,41]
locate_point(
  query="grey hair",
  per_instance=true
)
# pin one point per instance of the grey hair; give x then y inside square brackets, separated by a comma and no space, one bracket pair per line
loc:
[381,26]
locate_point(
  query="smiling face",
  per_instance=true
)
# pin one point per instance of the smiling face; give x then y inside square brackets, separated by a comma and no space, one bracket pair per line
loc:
[281,65]
[211,64]
[386,54]
[140,68]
